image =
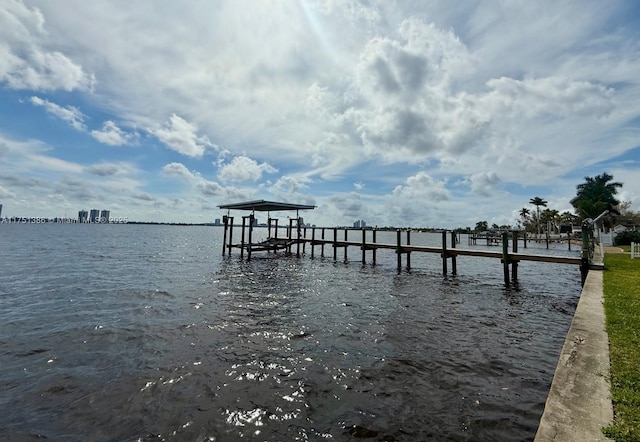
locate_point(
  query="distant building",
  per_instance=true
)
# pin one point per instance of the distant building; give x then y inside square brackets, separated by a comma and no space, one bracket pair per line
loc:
[104,216]
[0,210]
[94,216]
[359,224]
[217,222]
[83,216]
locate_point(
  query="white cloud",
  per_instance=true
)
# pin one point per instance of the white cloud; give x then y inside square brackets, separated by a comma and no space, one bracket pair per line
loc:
[289,185]
[484,183]
[424,188]
[181,136]
[243,168]
[179,170]
[195,179]
[25,60]
[111,134]
[70,114]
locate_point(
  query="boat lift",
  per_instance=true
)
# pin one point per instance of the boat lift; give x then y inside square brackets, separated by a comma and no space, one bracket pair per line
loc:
[272,243]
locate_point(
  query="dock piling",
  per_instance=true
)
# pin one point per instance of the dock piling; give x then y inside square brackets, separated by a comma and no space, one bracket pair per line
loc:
[399,250]
[454,265]
[444,252]
[364,244]
[505,256]
[230,234]
[374,249]
[345,247]
[225,221]
[408,252]
[514,263]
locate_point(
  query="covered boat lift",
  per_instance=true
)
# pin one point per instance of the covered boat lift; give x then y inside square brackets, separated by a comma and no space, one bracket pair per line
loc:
[272,243]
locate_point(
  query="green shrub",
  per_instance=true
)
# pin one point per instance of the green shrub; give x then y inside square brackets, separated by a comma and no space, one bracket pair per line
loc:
[626,238]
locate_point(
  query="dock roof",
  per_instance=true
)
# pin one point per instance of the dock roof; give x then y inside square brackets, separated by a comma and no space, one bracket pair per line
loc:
[265,206]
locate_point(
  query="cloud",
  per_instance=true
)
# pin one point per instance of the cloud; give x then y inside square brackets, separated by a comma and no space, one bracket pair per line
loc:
[424,188]
[484,183]
[25,60]
[111,134]
[195,179]
[106,169]
[70,114]
[178,170]
[210,188]
[349,205]
[181,136]
[243,168]
[287,185]
[142,196]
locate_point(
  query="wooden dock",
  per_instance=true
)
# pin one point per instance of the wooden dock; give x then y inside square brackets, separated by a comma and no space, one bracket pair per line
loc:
[339,238]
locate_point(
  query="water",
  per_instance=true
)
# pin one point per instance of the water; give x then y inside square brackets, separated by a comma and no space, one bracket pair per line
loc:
[146,333]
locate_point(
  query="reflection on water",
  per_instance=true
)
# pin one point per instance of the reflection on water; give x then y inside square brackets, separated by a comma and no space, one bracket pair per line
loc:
[147,333]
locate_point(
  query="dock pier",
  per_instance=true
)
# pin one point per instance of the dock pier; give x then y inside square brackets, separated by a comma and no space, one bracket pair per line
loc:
[508,253]
[510,258]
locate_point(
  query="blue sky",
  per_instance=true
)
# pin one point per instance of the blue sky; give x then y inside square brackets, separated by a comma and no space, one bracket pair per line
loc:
[436,114]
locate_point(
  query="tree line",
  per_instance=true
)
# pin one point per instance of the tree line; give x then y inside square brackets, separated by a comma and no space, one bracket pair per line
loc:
[593,197]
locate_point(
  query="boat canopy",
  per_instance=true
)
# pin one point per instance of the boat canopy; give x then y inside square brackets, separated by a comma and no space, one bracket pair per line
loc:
[265,206]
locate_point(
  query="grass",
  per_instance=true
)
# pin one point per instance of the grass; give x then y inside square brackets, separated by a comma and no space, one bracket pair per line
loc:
[622,308]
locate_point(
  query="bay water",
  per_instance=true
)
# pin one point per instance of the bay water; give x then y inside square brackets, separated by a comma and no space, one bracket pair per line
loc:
[147,333]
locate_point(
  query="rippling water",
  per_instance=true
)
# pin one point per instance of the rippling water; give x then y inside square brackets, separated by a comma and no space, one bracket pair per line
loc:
[130,332]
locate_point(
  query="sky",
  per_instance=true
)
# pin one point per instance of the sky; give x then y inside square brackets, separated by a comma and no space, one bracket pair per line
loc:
[399,113]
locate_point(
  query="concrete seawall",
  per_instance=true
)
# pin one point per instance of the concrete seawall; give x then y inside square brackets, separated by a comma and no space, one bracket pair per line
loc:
[579,401]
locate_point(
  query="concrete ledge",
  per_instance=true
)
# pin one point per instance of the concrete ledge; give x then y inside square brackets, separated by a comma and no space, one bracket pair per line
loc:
[579,401]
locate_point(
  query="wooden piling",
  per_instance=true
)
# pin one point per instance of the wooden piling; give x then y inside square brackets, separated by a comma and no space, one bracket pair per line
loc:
[230,234]
[505,256]
[298,232]
[290,235]
[322,246]
[514,263]
[408,253]
[374,250]
[399,250]
[444,252]
[225,220]
[313,240]
[454,265]
[242,237]
[335,244]
[304,243]
[251,220]
[364,244]
[345,247]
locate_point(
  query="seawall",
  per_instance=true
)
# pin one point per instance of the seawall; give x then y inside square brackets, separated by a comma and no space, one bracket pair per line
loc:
[579,401]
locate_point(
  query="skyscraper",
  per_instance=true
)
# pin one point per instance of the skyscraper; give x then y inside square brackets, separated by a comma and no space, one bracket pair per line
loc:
[94,217]
[0,210]
[83,216]
[104,216]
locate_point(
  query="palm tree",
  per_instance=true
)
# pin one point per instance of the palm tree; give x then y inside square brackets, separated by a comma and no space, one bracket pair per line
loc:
[524,214]
[537,201]
[596,195]
[550,217]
